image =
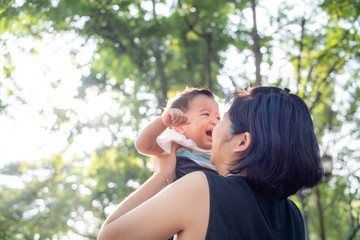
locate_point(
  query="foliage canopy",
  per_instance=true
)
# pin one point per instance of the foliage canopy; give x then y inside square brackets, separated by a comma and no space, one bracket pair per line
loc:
[145,52]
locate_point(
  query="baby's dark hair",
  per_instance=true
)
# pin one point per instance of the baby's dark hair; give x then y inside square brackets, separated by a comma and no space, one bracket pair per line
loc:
[183,98]
[284,154]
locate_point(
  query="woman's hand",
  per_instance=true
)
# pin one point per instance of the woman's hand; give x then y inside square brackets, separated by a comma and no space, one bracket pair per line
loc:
[166,163]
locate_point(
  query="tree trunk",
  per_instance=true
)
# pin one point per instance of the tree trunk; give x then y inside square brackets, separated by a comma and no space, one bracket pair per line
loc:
[256,45]
[160,65]
[301,46]
[321,214]
[161,73]
[304,213]
[209,54]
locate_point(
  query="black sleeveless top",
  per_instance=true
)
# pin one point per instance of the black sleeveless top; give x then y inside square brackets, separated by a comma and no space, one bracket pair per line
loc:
[237,212]
[185,166]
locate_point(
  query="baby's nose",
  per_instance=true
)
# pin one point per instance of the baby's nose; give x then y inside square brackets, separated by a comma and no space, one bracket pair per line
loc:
[214,120]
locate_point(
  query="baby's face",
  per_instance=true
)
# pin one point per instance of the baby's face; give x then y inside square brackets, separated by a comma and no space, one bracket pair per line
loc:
[203,114]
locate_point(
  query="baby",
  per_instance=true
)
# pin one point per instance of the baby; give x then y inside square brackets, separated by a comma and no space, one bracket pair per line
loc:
[189,119]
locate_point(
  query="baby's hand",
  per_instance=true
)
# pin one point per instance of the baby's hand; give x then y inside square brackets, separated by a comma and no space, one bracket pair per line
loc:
[174,117]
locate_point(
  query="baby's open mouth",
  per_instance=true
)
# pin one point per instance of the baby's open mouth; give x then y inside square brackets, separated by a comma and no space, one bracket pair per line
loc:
[209,133]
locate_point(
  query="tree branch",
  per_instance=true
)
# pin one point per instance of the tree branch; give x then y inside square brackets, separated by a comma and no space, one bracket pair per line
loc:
[301,47]
[256,46]
[318,93]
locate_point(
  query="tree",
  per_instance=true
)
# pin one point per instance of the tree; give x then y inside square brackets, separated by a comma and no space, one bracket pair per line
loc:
[144,55]
[52,199]
[320,59]
[68,198]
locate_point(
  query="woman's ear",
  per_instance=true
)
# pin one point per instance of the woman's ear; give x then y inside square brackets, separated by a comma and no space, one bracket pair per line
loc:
[242,142]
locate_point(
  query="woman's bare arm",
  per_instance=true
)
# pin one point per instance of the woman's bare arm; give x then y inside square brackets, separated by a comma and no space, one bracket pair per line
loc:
[182,208]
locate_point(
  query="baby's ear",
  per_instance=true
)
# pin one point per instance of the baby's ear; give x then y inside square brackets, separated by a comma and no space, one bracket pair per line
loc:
[179,129]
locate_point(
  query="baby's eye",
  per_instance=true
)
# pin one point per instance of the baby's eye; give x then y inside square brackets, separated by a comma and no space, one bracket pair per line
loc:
[205,114]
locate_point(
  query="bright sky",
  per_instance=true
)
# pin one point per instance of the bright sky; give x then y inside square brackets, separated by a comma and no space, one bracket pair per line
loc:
[25,133]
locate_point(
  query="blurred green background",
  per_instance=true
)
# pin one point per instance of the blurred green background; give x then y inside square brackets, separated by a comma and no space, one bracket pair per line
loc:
[79,79]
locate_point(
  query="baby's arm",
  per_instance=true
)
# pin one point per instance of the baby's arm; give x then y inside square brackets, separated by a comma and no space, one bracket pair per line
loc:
[146,143]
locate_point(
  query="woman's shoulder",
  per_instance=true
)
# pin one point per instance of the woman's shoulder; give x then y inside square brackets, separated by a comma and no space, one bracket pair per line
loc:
[205,178]
[193,183]
[191,194]
[197,178]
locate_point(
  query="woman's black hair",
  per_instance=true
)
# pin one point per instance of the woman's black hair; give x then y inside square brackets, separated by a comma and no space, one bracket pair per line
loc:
[284,154]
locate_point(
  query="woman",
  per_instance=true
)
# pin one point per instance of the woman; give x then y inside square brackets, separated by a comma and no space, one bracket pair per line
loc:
[264,149]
